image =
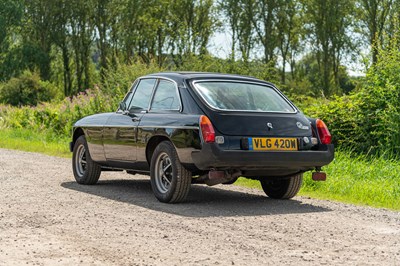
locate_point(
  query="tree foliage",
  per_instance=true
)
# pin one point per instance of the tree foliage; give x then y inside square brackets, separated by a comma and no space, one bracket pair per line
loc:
[73,43]
[368,120]
[28,89]
[374,17]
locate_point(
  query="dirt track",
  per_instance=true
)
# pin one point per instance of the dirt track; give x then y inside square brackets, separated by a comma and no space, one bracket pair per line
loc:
[47,219]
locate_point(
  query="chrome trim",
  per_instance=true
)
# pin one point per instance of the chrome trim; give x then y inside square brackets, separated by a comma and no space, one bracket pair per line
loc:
[120,126]
[173,127]
[296,110]
[86,126]
[134,126]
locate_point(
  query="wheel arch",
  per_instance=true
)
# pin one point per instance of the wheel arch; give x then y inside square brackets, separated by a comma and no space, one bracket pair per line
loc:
[153,143]
[77,133]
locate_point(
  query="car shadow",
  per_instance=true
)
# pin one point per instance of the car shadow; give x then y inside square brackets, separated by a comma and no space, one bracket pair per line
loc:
[202,201]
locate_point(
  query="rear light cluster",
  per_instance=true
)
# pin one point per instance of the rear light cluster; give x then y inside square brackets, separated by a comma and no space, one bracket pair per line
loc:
[207,129]
[208,133]
[323,132]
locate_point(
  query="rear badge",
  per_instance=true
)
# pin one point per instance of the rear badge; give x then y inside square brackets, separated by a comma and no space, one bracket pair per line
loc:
[269,125]
[301,126]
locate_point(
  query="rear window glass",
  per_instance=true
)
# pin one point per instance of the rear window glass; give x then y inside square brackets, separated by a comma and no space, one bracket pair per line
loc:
[240,96]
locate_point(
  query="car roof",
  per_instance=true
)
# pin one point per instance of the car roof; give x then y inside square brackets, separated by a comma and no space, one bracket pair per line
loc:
[181,76]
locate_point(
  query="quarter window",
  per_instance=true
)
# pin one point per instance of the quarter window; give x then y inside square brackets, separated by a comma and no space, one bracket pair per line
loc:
[166,97]
[128,98]
[142,95]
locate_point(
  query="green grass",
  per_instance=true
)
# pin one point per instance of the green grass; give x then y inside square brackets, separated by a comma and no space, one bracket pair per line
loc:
[26,140]
[351,178]
[359,180]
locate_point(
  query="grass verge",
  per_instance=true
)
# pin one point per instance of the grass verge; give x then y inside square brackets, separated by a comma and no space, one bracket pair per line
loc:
[359,180]
[352,178]
[25,140]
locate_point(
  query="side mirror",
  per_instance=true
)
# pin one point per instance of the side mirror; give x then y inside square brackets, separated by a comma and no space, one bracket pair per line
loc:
[122,106]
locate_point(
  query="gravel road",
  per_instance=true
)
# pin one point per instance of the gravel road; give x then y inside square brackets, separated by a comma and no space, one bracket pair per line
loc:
[46,219]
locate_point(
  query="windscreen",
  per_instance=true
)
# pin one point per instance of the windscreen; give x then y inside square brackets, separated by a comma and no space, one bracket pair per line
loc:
[242,96]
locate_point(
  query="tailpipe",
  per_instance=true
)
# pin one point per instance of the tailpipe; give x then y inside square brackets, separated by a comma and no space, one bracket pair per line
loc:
[215,177]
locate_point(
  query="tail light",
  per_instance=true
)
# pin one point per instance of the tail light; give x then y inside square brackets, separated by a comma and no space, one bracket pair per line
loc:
[323,132]
[207,129]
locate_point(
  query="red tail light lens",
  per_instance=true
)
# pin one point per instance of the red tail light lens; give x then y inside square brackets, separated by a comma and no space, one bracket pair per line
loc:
[207,129]
[323,132]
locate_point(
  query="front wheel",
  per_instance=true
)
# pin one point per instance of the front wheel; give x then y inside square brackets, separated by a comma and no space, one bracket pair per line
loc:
[86,171]
[282,188]
[170,181]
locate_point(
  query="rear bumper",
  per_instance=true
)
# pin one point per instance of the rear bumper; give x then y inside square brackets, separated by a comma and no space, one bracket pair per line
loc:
[211,156]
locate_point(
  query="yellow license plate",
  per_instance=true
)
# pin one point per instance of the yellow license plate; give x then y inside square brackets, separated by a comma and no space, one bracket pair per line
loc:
[273,144]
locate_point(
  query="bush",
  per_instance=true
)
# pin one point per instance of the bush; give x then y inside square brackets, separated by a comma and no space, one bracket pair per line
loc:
[118,81]
[368,120]
[57,117]
[27,89]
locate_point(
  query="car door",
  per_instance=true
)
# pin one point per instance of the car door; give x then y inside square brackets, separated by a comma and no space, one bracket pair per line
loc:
[120,132]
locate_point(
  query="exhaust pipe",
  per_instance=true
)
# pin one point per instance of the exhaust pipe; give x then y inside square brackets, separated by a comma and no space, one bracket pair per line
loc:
[215,177]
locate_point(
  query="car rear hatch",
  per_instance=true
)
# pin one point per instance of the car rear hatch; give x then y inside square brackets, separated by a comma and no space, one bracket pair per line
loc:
[262,132]
[249,114]
[260,124]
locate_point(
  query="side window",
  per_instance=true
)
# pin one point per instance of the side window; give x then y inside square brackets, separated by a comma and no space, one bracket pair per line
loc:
[166,97]
[142,95]
[128,97]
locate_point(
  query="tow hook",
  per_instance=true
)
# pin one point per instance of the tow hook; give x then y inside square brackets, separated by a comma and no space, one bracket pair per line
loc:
[318,175]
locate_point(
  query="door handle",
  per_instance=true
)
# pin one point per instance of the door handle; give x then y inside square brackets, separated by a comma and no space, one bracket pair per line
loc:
[135,119]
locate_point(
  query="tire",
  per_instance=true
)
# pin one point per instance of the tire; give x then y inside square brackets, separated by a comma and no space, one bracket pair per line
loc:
[170,181]
[86,171]
[282,188]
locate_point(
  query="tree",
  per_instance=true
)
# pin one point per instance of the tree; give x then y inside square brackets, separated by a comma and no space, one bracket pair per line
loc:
[82,35]
[60,36]
[373,16]
[264,21]
[246,35]
[102,24]
[192,24]
[327,25]
[289,34]
[36,35]
[11,12]
[232,10]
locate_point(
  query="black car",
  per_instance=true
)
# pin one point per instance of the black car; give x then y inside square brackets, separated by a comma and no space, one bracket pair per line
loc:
[184,128]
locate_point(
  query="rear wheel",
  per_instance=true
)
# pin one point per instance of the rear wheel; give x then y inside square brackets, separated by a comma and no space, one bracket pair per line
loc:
[282,188]
[86,171]
[170,181]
